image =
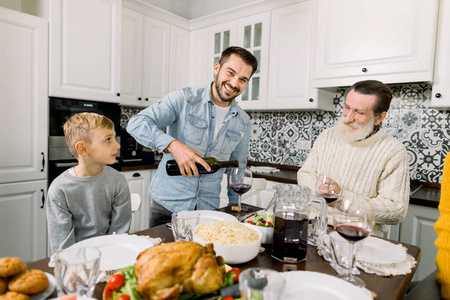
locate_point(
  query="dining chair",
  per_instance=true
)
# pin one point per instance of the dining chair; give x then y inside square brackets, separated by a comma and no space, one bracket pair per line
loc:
[259,184]
[428,288]
[135,206]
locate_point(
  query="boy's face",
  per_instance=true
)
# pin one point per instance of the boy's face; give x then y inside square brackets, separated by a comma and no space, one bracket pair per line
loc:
[103,146]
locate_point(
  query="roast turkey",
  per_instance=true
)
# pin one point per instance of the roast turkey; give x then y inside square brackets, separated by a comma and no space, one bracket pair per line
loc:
[166,270]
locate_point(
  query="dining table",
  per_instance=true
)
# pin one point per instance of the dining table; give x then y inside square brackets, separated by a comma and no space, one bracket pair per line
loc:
[383,287]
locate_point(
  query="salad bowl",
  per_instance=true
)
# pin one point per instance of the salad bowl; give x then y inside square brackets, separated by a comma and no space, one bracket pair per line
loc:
[263,221]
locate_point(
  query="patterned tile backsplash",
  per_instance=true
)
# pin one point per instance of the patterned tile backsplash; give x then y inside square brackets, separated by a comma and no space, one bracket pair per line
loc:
[287,137]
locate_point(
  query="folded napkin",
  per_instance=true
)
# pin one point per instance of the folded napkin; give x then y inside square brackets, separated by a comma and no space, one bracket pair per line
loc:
[264,169]
[105,275]
[383,268]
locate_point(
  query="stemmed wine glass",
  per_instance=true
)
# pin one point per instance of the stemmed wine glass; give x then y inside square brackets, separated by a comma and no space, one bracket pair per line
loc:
[327,187]
[241,182]
[353,219]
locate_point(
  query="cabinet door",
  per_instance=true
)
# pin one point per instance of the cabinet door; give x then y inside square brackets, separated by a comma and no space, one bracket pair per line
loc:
[253,35]
[440,97]
[23,223]
[291,44]
[179,58]
[138,182]
[85,49]
[132,56]
[418,229]
[155,77]
[221,36]
[23,94]
[199,67]
[389,40]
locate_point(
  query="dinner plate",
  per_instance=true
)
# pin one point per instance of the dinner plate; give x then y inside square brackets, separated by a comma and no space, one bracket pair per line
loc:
[308,285]
[48,291]
[212,215]
[263,169]
[378,251]
[118,251]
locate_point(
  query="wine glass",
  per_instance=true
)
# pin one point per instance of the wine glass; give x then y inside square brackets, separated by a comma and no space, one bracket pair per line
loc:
[327,187]
[240,182]
[353,220]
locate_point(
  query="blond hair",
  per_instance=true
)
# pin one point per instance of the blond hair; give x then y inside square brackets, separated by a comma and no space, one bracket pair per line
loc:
[79,127]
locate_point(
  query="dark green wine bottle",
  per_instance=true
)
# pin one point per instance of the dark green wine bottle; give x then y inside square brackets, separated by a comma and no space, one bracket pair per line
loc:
[172,168]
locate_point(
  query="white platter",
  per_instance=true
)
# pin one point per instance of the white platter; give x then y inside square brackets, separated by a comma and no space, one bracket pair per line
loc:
[308,285]
[48,291]
[378,251]
[212,215]
[118,251]
[263,169]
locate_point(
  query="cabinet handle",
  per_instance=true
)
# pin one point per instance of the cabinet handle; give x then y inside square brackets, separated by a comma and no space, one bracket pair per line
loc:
[146,99]
[438,95]
[118,94]
[43,161]
[139,98]
[364,70]
[136,175]
[311,100]
[43,198]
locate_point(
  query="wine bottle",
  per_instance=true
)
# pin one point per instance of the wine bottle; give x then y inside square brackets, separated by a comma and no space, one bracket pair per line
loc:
[172,168]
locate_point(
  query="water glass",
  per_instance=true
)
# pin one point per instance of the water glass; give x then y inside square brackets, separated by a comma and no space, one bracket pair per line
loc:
[261,283]
[183,224]
[76,271]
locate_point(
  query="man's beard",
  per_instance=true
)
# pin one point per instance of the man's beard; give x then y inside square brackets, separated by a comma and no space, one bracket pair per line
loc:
[359,132]
[219,93]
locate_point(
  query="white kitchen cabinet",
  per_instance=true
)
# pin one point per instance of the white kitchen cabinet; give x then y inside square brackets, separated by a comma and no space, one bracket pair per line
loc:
[220,37]
[179,58]
[85,49]
[200,69]
[145,59]
[389,40]
[24,96]
[290,65]
[23,225]
[418,229]
[253,35]
[138,182]
[440,96]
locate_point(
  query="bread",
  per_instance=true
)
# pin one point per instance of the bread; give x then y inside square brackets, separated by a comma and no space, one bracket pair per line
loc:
[14,296]
[31,282]
[11,266]
[3,285]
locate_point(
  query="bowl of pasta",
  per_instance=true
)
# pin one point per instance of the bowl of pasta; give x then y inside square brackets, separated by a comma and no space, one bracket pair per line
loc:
[236,242]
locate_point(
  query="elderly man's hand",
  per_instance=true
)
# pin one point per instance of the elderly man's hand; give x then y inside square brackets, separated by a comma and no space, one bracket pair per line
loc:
[186,157]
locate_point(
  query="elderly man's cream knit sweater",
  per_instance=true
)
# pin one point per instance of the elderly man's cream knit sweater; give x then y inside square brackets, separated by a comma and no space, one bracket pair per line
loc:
[376,167]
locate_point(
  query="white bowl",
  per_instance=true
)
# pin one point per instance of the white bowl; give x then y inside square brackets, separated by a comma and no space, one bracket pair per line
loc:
[235,254]
[267,233]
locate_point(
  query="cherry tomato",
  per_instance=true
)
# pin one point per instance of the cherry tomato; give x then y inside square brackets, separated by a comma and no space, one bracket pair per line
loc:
[270,224]
[123,297]
[107,294]
[228,298]
[236,272]
[116,282]
[250,222]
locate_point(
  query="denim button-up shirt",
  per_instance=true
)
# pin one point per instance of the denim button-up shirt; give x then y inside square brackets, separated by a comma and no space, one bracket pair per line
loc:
[189,117]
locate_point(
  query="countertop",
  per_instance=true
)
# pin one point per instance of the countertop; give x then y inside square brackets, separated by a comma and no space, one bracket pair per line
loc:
[428,195]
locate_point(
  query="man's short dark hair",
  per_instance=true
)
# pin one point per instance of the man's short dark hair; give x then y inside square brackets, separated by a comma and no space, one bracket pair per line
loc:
[244,54]
[377,88]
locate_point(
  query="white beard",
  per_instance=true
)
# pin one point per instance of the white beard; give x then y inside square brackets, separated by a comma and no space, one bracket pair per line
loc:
[352,132]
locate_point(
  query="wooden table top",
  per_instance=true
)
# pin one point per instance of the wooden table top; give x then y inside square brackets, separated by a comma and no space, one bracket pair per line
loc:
[386,288]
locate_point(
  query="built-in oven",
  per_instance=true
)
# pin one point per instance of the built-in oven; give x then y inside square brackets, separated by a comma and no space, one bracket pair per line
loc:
[59,156]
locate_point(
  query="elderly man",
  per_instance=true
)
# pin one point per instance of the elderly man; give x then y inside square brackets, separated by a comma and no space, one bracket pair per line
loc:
[368,161]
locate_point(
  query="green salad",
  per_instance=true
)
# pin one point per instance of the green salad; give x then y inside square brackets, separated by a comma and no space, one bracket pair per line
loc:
[262,218]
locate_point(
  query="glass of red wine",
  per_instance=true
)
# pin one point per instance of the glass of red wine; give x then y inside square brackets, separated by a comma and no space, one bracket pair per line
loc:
[327,187]
[241,182]
[353,220]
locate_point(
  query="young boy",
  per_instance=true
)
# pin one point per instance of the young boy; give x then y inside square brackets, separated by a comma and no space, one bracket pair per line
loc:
[90,199]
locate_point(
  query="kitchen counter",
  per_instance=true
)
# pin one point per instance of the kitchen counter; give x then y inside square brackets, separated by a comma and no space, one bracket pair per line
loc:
[428,195]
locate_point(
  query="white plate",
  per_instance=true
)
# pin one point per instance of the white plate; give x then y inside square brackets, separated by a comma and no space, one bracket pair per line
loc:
[263,169]
[212,215]
[375,250]
[48,291]
[118,251]
[308,285]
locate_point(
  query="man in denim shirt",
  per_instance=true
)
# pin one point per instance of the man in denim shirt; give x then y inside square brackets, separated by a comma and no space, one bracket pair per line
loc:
[199,122]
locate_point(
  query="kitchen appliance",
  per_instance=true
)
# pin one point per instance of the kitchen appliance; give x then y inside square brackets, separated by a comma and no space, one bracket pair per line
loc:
[59,156]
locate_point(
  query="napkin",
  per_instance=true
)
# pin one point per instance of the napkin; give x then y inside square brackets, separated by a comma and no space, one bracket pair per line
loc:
[383,269]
